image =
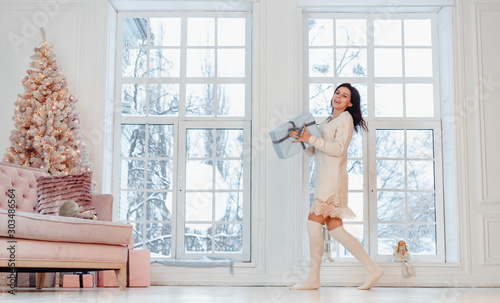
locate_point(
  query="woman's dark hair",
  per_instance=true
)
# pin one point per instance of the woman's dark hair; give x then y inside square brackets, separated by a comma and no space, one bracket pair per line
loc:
[355,109]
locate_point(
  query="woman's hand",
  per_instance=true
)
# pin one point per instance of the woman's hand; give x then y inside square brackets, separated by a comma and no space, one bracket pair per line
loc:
[305,135]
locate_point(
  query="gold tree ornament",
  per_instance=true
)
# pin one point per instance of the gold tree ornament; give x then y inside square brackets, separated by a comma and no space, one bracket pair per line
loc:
[47,131]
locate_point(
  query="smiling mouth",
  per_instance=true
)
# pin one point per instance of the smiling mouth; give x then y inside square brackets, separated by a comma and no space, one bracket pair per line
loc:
[336,101]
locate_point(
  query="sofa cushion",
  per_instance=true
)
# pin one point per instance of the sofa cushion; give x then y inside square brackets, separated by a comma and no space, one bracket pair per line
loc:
[65,229]
[32,250]
[54,190]
[23,180]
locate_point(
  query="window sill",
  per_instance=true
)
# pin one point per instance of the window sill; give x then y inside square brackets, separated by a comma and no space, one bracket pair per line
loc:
[354,263]
[180,263]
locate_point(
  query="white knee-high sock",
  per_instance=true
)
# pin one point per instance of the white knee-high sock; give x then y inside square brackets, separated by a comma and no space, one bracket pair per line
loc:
[357,250]
[316,247]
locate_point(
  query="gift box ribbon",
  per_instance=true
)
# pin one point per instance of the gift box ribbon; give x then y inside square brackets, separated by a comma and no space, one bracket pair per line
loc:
[80,275]
[294,127]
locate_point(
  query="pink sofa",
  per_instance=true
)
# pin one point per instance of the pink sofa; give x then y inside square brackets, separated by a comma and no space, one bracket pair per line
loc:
[51,243]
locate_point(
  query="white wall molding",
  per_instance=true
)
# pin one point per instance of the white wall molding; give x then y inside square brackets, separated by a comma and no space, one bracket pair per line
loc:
[490,247]
[481,65]
[109,107]
[448,133]
[488,91]
[341,274]
[259,118]
[460,126]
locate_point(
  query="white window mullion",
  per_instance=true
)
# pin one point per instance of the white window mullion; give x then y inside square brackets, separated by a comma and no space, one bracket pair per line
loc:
[366,192]
[439,193]
[247,166]
[248,66]
[181,191]
[216,87]
[335,67]
[145,191]
[181,149]
[214,176]
[117,124]
[403,55]
[175,193]
[183,60]
[405,161]
[435,67]
[148,66]
[372,195]
[370,80]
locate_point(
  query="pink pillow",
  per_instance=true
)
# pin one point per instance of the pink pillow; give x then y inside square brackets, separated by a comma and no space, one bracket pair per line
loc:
[54,190]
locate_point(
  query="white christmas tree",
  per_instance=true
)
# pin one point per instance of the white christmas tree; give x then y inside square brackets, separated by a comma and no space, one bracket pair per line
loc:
[47,131]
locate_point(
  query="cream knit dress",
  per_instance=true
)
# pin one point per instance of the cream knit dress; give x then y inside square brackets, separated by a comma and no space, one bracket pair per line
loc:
[330,193]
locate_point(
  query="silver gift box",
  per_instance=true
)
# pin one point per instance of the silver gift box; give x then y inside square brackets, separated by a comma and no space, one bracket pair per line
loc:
[283,143]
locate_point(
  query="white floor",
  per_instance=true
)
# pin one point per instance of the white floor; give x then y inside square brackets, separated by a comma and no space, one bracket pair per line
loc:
[188,294]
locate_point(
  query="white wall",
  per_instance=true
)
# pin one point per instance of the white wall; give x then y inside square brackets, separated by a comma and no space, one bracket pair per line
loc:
[481,88]
[79,31]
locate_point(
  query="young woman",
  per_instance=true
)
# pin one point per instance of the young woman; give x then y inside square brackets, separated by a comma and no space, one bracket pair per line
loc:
[330,195]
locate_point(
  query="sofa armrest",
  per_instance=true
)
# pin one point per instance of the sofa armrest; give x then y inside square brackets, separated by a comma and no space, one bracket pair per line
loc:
[103,204]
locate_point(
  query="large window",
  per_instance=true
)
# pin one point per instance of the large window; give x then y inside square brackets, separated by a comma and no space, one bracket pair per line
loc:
[395,170]
[183,124]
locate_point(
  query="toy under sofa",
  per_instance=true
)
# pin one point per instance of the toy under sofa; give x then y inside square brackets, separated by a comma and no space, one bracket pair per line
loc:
[48,243]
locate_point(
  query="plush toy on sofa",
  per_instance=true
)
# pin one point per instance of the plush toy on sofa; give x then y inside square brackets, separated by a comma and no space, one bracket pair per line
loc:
[401,254]
[70,209]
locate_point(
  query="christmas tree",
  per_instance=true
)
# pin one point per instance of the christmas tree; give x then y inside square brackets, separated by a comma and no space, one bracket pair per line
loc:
[47,131]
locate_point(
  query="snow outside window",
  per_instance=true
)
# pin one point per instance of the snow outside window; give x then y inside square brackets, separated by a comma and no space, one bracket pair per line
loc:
[182,129]
[395,170]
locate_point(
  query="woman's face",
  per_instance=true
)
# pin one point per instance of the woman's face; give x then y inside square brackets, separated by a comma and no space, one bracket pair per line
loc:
[341,99]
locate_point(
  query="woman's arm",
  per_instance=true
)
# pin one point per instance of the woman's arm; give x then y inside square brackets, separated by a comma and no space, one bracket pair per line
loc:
[340,143]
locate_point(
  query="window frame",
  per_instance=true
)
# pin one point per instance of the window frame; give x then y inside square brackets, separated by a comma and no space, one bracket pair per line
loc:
[181,123]
[438,189]
[245,254]
[374,123]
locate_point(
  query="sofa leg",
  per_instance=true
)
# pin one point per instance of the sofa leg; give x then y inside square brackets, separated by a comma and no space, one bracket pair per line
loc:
[40,277]
[121,277]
